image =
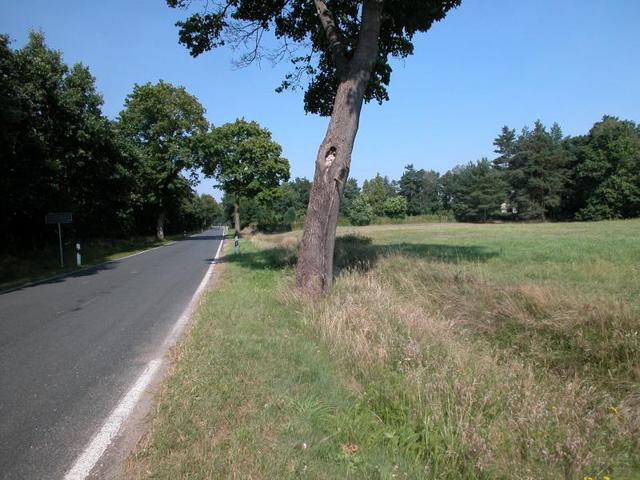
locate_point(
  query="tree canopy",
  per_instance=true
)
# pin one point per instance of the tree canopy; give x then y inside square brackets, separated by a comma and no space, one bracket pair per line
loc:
[319,38]
[535,165]
[605,180]
[163,124]
[58,151]
[476,191]
[245,161]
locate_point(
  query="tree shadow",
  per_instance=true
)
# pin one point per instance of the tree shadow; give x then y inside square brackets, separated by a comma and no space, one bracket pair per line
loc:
[356,252]
[63,276]
[203,237]
[270,259]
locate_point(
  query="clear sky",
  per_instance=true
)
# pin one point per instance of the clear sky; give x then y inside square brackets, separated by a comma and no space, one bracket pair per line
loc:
[489,63]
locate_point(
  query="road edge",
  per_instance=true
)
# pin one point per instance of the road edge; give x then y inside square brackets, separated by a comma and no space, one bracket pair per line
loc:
[81,269]
[112,427]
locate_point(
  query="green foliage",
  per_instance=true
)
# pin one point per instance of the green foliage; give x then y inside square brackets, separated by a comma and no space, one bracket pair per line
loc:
[535,165]
[299,190]
[421,190]
[162,125]
[244,160]
[285,206]
[59,153]
[296,25]
[475,191]
[376,191]
[607,171]
[395,207]
[57,148]
[349,194]
[201,211]
[360,212]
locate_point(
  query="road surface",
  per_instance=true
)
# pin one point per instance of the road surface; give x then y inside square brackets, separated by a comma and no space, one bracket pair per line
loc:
[72,346]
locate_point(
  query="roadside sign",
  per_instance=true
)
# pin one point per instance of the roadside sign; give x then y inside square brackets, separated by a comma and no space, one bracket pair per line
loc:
[58,217]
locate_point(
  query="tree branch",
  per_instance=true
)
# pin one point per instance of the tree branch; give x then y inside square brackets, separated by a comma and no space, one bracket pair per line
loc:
[367,49]
[334,37]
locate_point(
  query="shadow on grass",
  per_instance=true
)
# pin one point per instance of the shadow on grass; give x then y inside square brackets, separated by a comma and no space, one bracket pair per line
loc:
[355,252]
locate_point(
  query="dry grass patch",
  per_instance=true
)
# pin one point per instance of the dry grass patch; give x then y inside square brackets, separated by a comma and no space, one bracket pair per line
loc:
[476,380]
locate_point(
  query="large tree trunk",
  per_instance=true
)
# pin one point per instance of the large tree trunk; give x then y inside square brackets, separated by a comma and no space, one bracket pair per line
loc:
[314,272]
[160,226]
[236,214]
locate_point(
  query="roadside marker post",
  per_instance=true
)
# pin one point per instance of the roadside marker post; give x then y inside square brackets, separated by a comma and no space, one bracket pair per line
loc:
[236,243]
[59,218]
[78,257]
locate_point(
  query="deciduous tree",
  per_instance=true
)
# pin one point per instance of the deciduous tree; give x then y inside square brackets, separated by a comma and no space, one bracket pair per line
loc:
[395,207]
[245,161]
[349,194]
[607,171]
[163,124]
[343,48]
[360,212]
[376,191]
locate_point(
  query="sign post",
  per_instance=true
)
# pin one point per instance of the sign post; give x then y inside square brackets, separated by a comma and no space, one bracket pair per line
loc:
[59,218]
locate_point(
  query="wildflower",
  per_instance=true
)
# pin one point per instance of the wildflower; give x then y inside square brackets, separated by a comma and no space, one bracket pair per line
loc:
[613,410]
[606,477]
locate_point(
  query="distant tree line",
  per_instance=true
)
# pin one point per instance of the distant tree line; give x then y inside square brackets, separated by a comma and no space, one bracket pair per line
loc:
[130,176]
[135,175]
[537,175]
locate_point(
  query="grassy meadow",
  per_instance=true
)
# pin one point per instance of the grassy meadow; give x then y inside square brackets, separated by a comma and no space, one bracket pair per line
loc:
[444,351]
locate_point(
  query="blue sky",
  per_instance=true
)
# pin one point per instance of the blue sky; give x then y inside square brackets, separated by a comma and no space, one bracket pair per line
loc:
[489,63]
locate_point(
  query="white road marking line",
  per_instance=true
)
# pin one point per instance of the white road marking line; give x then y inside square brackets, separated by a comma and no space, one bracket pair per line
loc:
[186,315]
[93,452]
[135,254]
[85,463]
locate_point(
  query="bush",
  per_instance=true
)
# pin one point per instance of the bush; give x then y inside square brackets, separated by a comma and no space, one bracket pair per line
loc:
[360,212]
[395,207]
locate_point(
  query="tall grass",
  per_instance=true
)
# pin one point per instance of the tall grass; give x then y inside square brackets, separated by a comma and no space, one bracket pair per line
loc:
[476,379]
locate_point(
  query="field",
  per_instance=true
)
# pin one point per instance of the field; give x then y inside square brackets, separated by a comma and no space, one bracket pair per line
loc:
[444,351]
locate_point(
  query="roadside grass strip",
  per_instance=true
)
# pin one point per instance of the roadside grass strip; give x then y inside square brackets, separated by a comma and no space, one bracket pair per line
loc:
[255,394]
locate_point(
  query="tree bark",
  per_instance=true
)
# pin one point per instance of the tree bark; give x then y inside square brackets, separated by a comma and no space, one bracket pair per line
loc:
[314,273]
[236,214]
[160,226]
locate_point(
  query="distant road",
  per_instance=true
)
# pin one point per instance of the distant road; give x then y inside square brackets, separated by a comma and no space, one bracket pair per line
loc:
[71,347]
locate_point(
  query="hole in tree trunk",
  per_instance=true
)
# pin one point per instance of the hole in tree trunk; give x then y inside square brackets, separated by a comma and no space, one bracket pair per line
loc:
[330,157]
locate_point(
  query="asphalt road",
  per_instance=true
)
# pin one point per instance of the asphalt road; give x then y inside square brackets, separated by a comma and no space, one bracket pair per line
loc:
[71,347]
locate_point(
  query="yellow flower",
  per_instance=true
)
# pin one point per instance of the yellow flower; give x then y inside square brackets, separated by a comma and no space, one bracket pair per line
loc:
[605,478]
[613,410]
[588,478]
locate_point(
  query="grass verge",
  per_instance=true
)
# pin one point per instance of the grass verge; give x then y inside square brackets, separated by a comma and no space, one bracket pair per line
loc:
[255,394]
[444,351]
